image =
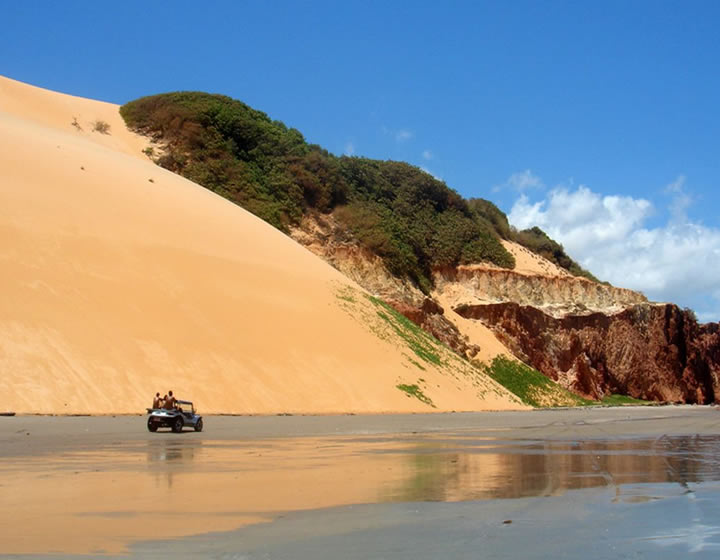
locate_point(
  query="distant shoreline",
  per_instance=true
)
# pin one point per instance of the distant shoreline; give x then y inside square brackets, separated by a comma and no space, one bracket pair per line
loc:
[648,404]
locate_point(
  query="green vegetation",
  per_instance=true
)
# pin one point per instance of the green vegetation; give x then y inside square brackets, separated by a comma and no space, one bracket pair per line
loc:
[389,325]
[535,389]
[619,400]
[99,126]
[415,391]
[492,216]
[407,217]
[345,295]
[420,342]
[531,386]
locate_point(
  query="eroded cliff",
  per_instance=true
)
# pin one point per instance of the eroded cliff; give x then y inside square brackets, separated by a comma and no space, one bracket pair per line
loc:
[555,295]
[594,339]
[648,351]
[323,236]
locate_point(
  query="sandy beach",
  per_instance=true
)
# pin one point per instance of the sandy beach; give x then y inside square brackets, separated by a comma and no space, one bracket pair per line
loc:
[34,435]
[74,486]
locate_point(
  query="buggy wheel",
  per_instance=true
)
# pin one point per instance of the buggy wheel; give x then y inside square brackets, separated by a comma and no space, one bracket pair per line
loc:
[199,425]
[152,426]
[177,425]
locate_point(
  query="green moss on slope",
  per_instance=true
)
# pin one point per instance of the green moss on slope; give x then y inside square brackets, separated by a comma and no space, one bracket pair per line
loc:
[420,342]
[531,386]
[622,400]
[416,392]
[421,350]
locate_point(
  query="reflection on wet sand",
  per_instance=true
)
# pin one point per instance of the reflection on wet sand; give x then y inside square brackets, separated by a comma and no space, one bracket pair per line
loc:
[162,456]
[101,501]
[529,469]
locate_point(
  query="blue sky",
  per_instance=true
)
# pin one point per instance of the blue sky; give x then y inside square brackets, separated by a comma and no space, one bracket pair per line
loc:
[597,121]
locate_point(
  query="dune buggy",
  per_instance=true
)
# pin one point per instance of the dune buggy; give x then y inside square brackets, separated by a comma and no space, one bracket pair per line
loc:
[176,419]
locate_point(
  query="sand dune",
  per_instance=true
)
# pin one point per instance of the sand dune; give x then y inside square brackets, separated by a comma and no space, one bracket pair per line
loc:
[527,262]
[58,111]
[120,279]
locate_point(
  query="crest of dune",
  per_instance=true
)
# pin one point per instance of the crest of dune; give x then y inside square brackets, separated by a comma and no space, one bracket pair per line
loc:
[120,279]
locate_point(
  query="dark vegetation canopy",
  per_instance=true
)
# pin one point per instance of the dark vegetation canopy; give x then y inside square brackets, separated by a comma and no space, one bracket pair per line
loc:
[406,216]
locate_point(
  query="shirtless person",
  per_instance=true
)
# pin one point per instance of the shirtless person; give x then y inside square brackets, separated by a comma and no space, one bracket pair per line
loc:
[170,401]
[157,401]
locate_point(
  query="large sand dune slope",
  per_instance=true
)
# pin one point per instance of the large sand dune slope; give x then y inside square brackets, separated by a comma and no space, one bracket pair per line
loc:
[119,279]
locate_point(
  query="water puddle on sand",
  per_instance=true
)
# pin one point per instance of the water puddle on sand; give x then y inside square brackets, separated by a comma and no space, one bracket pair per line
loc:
[102,501]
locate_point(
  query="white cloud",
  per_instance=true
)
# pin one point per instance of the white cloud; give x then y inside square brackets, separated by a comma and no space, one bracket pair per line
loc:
[524,180]
[681,201]
[403,135]
[521,181]
[677,186]
[399,135]
[349,149]
[427,154]
[677,262]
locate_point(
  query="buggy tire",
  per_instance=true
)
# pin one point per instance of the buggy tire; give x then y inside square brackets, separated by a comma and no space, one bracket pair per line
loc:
[199,425]
[152,426]
[177,425]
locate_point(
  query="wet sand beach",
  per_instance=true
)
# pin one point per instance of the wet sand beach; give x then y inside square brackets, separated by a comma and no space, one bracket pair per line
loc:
[390,486]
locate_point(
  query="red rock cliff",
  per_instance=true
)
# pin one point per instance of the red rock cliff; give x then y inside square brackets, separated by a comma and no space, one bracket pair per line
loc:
[648,351]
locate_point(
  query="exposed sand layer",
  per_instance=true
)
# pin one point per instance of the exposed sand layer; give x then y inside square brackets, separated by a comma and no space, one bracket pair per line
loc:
[476,332]
[120,279]
[531,272]
[527,262]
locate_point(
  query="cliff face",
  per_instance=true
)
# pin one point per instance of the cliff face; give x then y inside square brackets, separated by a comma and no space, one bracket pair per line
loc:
[648,351]
[555,295]
[594,339]
[324,237]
